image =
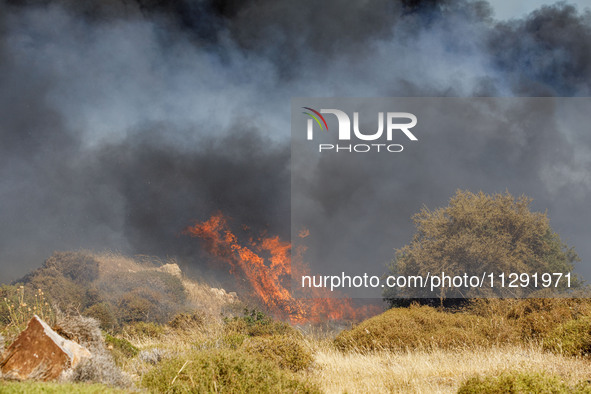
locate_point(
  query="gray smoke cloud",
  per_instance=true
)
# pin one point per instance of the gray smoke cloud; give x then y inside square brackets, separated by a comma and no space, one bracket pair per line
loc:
[123,122]
[357,206]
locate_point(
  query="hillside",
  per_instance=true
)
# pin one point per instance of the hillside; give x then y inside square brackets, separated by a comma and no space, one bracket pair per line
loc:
[162,332]
[119,290]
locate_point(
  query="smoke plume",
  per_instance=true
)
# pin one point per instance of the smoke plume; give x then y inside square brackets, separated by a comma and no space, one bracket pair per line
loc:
[124,122]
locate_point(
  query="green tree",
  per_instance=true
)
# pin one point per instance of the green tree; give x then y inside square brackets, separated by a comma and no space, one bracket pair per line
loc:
[478,233]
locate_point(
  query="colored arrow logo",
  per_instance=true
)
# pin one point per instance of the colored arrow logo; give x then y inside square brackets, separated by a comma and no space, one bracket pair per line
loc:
[313,116]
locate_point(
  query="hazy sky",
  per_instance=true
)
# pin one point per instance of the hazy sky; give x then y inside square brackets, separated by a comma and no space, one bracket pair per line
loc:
[507,9]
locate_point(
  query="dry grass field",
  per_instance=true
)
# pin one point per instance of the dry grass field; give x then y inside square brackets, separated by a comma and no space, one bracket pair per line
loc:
[437,371]
[214,343]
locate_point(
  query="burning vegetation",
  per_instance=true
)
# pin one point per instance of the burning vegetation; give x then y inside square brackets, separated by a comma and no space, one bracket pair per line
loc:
[268,265]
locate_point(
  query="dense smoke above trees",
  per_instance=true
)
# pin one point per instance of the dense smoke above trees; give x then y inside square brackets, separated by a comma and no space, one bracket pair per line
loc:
[122,122]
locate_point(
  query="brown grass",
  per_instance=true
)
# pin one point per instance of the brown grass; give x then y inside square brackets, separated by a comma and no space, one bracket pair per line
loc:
[436,371]
[418,349]
[533,318]
[424,327]
[110,262]
[422,370]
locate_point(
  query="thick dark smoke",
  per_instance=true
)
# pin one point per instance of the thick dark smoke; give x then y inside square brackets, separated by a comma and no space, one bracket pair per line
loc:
[357,207]
[546,54]
[122,122]
[164,188]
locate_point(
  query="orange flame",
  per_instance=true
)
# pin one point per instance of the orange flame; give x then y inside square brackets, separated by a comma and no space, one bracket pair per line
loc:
[270,278]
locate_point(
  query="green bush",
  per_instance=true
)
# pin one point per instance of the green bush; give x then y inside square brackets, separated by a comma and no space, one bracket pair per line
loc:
[120,347]
[285,351]
[226,371]
[572,338]
[233,340]
[56,388]
[520,383]
[257,323]
[144,329]
[105,314]
[420,327]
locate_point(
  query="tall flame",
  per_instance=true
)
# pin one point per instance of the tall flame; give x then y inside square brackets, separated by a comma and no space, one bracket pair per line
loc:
[270,278]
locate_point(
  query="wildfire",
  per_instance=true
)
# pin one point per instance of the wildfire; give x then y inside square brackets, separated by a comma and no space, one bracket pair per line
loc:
[270,278]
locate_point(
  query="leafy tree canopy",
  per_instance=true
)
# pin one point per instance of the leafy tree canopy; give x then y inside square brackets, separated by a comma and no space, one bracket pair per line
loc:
[479,233]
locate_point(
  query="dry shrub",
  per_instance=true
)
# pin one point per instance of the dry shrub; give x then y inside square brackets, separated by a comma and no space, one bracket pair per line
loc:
[202,296]
[118,290]
[144,295]
[18,305]
[78,267]
[100,368]
[111,288]
[168,286]
[81,329]
[483,322]
[143,304]
[187,321]
[153,355]
[110,262]
[418,327]
[532,318]
[572,338]
[522,382]
[285,351]
[226,371]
